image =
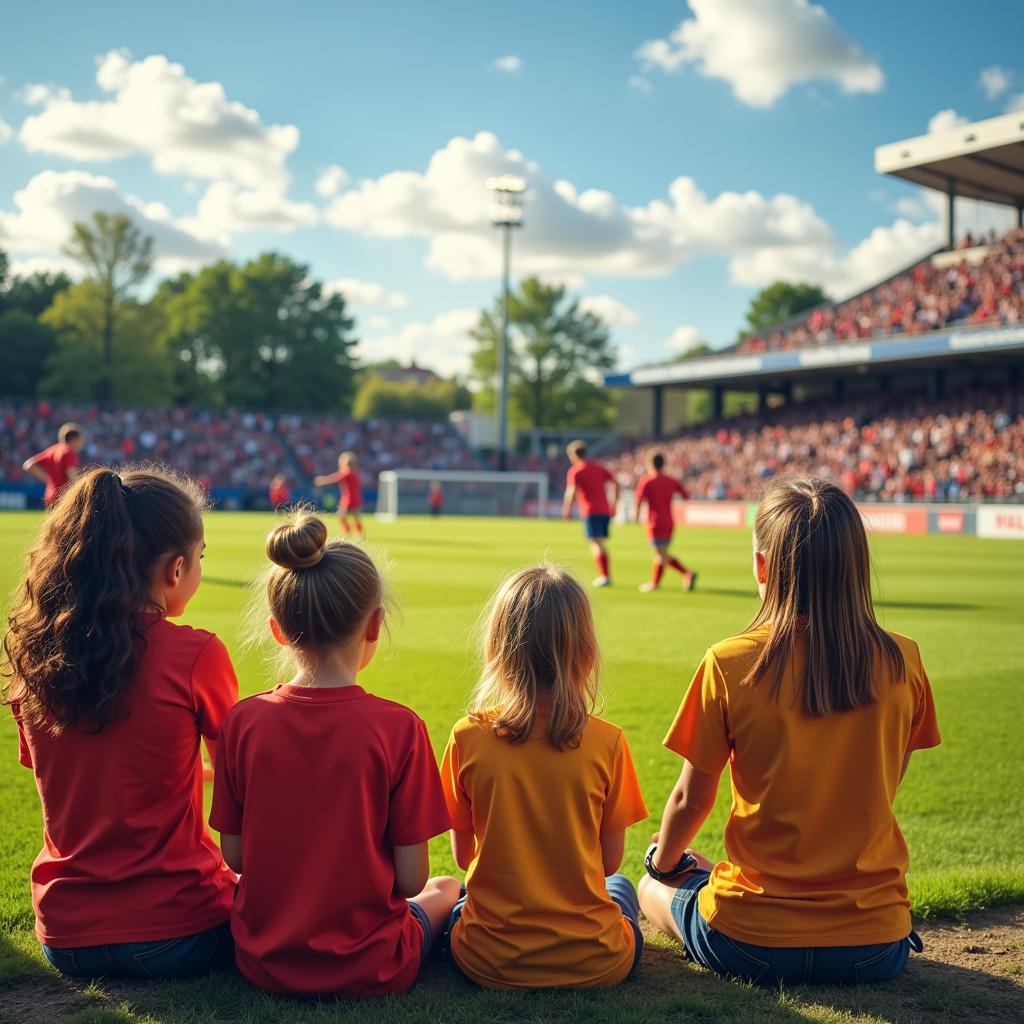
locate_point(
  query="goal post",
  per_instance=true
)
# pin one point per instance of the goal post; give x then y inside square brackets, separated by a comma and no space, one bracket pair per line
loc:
[463,492]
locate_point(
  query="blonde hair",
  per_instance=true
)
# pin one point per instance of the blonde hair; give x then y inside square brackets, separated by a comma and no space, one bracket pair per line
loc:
[319,590]
[540,651]
[348,459]
[818,588]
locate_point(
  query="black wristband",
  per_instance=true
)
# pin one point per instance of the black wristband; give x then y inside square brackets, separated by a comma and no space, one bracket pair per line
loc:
[686,863]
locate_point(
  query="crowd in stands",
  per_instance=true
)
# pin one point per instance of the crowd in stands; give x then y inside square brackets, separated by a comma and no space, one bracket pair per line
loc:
[885,448]
[225,447]
[380,444]
[925,298]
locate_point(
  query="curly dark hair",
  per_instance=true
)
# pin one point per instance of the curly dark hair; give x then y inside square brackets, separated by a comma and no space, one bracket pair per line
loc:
[73,643]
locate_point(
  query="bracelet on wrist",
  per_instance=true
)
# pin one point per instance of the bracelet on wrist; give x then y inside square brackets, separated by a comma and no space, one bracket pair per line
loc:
[686,863]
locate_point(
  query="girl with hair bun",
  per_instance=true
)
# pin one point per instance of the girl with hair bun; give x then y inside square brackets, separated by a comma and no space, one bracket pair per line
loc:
[326,795]
[111,700]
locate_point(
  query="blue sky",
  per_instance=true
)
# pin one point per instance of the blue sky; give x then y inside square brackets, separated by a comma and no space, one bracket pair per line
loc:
[764,113]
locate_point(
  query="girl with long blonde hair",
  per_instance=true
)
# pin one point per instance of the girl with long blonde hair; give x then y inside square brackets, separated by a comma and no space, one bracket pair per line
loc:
[540,793]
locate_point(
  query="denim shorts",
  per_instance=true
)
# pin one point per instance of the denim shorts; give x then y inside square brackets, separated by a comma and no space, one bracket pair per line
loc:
[769,965]
[620,889]
[421,916]
[180,957]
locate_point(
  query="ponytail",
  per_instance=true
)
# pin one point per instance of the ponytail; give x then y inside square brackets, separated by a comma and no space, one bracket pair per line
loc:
[74,641]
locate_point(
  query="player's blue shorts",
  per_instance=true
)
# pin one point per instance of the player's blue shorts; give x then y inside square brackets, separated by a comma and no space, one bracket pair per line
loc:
[660,543]
[597,527]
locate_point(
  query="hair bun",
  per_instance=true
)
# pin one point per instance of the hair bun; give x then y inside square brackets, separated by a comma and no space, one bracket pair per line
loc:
[300,544]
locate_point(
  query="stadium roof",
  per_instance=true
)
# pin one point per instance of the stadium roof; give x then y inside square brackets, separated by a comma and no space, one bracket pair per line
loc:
[984,160]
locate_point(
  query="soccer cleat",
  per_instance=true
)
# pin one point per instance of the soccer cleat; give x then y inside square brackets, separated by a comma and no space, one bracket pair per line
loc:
[690,582]
[646,588]
[603,581]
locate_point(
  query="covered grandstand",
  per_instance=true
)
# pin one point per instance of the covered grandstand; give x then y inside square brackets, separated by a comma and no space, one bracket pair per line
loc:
[952,321]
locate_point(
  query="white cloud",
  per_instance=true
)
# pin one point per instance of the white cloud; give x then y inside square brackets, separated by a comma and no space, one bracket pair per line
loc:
[509,64]
[442,344]
[44,265]
[38,94]
[944,120]
[613,312]
[567,232]
[331,181]
[640,83]
[885,251]
[155,109]
[5,131]
[762,48]
[379,323]
[683,338]
[225,209]
[366,293]
[995,81]
[48,206]
[1015,103]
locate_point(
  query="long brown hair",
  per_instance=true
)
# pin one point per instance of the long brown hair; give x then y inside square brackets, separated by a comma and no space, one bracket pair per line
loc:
[319,591]
[818,588]
[73,641]
[540,648]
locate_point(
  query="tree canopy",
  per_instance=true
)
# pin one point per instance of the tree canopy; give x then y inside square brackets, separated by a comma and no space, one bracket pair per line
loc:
[557,357]
[780,301]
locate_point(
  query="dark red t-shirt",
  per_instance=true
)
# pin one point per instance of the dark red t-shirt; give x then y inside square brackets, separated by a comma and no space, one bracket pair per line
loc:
[56,461]
[350,491]
[322,784]
[279,494]
[658,490]
[126,856]
[589,479]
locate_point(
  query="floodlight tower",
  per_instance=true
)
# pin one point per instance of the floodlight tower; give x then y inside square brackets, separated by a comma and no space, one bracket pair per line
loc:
[508,214]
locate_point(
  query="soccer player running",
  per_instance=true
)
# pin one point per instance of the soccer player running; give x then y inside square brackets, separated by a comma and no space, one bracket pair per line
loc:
[350,494]
[587,480]
[656,490]
[56,465]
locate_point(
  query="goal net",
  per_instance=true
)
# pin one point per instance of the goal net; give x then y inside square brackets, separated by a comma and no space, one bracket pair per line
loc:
[461,492]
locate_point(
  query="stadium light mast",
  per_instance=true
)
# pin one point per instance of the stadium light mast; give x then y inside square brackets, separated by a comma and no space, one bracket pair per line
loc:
[508,192]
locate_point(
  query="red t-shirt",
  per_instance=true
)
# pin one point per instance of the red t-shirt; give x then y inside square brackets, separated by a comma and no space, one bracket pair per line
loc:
[279,495]
[589,479]
[348,487]
[56,461]
[322,784]
[435,499]
[126,856]
[658,490]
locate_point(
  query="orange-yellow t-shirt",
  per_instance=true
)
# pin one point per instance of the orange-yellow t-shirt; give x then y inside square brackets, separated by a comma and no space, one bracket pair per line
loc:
[815,856]
[538,914]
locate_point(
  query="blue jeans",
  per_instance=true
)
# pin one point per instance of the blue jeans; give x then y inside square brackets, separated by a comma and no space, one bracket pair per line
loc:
[162,958]
[620,889]
[768,965]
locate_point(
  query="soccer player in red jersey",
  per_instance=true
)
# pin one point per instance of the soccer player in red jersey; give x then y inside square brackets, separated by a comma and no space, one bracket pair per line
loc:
[350,494]
[56,465]
[588,481]
[279,493]
[656,490]
[435,499]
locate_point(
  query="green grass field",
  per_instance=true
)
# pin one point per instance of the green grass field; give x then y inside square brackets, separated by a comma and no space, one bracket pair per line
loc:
[961,806]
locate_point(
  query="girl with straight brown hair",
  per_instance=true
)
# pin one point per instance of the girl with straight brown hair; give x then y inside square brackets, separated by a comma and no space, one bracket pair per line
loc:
[817,710]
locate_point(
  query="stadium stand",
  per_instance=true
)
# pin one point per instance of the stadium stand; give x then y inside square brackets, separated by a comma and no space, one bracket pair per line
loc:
[232,453]
[987,288]
[969,447]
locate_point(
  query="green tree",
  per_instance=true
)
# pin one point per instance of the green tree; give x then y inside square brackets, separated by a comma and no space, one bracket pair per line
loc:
[414,400]
[138,369]
[778,302]
[116,257]
[557,356]
[262,334]
[26,345]
[33,294]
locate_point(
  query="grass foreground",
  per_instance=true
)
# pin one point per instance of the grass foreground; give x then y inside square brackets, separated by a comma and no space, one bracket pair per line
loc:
[960,806]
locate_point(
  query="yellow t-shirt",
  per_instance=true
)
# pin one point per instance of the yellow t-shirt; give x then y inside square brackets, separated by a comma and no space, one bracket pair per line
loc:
[816,857]
[538,914]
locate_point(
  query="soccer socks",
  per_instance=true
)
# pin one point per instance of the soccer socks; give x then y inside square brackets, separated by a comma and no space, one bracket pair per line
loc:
[678,566]
[656,573]
[602,563]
